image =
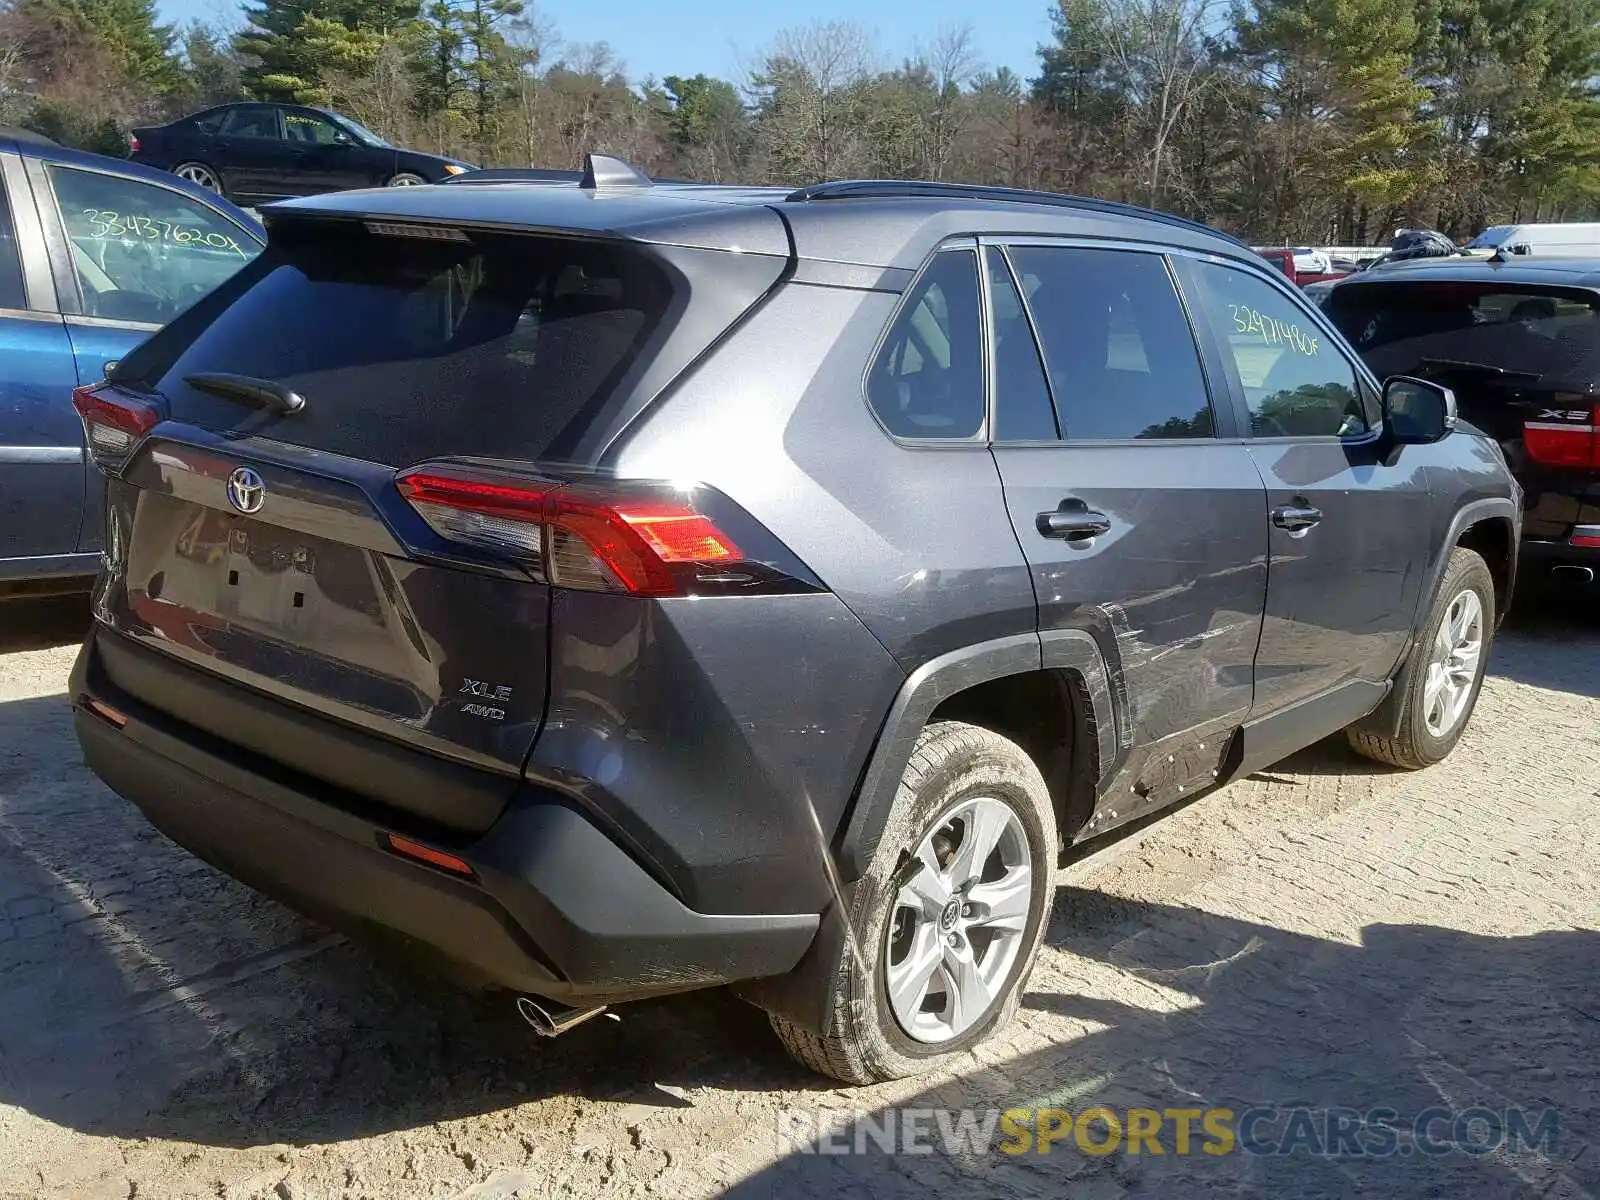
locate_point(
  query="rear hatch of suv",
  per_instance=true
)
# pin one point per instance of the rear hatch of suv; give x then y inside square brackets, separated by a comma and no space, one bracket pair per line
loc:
[1523,360]
[342,487]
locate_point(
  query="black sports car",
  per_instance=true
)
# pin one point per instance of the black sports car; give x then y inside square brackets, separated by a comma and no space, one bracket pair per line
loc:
[254,153]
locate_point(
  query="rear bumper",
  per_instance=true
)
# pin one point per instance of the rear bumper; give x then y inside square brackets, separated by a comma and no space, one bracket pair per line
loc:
[556,908]
[1540,555]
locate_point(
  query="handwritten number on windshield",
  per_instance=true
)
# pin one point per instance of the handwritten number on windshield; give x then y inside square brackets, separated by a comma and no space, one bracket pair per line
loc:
[106,224]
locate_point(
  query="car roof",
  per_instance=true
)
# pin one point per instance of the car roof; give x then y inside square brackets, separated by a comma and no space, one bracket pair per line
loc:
[880,223]
[1562,271]
[50,152]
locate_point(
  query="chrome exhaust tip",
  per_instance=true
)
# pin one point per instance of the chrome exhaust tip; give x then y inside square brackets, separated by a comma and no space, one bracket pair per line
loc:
[552,1020]
[1572,573]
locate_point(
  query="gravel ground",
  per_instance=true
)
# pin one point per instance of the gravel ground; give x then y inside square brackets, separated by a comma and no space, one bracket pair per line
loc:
[1325,932]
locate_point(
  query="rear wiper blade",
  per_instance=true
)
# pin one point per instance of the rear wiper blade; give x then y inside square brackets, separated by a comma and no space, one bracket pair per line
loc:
[1451,364]
[265,393]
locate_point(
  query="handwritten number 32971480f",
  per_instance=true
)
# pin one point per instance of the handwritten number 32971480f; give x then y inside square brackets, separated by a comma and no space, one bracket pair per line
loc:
[1272,331]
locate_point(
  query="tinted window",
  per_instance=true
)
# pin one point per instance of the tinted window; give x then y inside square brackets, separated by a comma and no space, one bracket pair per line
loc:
[1296,382]
[142,252]
[1022,409]
[12,293]
[928,378]
[251,120]
[407,349]
[1452,331]
[1121,357]
[210,122]
[307,128]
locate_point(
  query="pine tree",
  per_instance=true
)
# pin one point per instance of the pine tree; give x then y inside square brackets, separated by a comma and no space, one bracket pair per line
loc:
[138,48]
[295,43]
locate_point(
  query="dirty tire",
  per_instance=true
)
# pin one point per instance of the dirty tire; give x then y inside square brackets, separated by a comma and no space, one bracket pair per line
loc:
[862,1041]
[1415,747]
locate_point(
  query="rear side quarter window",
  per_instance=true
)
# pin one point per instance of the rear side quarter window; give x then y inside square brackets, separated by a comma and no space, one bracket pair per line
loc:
[927,380]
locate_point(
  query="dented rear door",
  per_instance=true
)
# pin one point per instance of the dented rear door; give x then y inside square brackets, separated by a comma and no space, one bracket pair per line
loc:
[1139,524]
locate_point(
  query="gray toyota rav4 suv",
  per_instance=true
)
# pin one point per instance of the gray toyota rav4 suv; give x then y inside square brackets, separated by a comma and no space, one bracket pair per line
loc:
[619,589]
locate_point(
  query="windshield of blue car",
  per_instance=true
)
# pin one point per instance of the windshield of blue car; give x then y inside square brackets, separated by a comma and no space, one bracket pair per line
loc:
[360,132]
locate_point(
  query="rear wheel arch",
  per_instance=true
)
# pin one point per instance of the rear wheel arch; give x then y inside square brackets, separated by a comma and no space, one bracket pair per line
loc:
[997,685]
[989,687]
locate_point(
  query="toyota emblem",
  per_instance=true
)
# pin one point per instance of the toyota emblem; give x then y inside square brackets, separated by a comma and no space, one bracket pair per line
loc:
[247,491]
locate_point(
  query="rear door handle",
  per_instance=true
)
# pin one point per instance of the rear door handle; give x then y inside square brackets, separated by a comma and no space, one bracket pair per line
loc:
[1296,519]
[1073,522]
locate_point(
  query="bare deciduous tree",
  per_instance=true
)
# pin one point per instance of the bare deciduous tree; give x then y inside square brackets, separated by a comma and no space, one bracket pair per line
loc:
[1157,48]
[809,92]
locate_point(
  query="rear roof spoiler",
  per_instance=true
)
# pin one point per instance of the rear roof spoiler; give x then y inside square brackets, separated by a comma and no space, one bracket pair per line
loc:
[600,173]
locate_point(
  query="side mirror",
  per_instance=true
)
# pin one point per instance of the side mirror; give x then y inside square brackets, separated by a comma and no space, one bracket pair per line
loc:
[1416,411]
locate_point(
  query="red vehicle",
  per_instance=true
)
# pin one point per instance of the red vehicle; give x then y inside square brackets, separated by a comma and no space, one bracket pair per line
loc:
[1282,257]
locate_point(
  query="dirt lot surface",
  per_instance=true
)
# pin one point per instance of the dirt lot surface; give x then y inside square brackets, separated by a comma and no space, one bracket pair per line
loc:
[1326,933]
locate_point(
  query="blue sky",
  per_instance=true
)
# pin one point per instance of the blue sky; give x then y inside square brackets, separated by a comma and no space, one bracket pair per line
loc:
[724,37]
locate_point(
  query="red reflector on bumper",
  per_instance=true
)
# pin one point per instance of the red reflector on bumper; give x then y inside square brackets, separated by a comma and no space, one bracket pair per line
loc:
[1584,539]
[427,854]
[105,712]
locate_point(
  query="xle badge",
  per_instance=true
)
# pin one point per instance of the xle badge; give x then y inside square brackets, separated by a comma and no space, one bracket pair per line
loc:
[485,691]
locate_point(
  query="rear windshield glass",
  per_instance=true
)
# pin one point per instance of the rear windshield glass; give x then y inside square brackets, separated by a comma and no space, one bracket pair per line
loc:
[406,348]
[1437,330]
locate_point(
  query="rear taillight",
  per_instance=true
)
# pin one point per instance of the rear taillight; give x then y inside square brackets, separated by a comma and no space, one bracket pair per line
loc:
[642,539]
[1561,445]
[133,143]
[113,424]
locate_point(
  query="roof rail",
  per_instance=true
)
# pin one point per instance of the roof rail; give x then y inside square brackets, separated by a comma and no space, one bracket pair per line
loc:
[552,175]
[852,189]
[515,175]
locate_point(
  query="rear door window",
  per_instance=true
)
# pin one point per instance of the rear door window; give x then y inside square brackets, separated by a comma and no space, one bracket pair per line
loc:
[408,348]
[252,121]
[12,293]
[1022,406]
[142,252]
[1118,348]
[927,381]
[1297,382]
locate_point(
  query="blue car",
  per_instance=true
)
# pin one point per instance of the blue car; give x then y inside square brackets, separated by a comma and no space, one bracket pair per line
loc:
[95,254]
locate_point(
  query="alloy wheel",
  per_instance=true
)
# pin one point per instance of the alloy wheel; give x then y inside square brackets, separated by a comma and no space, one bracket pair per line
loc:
[1453,664]
[200,174]
[958,921]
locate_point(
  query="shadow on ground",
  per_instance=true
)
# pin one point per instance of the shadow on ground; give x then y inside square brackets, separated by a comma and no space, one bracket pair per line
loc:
[146,995]
[41,624]
[1551,639]
[1414,1018]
